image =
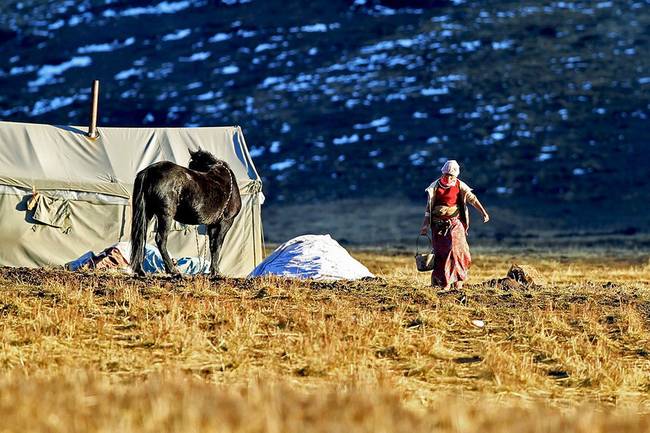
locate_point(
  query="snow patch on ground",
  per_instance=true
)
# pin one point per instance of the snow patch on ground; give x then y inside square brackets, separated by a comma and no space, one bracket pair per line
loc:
[47,74]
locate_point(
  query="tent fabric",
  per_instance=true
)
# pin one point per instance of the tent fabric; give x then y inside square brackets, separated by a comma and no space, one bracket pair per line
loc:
[62,194]
[317,257]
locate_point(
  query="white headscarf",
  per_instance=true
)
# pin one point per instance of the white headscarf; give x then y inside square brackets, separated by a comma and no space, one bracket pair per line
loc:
[451,167]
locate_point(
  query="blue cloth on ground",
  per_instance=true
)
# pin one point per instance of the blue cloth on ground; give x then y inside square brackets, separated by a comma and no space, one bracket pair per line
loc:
[153,263]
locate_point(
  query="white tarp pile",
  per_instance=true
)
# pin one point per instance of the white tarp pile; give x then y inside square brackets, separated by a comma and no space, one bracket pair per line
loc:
[312,256]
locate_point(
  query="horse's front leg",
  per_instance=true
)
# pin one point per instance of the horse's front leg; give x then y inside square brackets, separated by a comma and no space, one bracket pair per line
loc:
[164,225]
[216,233]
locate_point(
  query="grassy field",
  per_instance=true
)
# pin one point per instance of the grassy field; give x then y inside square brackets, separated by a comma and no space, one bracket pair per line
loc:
[96,353]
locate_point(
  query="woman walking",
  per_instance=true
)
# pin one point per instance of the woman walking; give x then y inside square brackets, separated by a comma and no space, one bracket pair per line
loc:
[447,216]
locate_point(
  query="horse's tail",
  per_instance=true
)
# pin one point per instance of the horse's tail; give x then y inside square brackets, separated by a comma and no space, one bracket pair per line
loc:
[138,223]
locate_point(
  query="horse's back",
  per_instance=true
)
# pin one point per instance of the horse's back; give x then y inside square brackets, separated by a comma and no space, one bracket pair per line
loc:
[164,167]
[189,196]
[161,182]
[161,173]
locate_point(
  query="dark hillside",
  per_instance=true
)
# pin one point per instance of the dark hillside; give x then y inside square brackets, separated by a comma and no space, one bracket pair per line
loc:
[344,99]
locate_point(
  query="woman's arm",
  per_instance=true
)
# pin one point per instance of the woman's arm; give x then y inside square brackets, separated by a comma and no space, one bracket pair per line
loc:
[424,228]
[471,198]
[479,207]
[426,222]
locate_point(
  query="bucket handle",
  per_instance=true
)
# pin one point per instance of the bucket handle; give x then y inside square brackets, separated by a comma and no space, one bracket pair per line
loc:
[417,241]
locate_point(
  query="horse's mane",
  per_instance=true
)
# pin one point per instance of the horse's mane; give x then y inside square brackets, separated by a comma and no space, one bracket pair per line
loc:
[202,160]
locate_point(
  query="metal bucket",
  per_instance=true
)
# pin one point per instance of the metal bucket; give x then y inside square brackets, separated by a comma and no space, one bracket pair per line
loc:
[423,261]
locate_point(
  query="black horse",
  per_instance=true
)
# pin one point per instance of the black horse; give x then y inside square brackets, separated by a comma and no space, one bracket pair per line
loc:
[205,193]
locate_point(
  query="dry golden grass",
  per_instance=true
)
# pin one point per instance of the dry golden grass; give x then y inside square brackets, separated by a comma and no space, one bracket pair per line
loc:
[84,352]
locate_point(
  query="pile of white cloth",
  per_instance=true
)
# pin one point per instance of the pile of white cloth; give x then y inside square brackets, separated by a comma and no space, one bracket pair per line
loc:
[312,256]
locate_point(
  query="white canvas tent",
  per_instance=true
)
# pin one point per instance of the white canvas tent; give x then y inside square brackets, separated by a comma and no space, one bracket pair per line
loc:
[63,194]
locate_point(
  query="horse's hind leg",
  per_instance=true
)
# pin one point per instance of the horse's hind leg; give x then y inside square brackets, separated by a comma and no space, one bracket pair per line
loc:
[164,225]
[216,234]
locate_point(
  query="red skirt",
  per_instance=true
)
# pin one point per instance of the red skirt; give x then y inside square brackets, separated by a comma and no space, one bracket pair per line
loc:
[452,257]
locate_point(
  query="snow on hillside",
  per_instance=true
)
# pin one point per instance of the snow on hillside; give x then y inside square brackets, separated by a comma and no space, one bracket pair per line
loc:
[356,85]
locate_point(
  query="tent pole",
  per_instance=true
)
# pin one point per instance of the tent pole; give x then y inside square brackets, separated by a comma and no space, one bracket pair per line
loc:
[92,129]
